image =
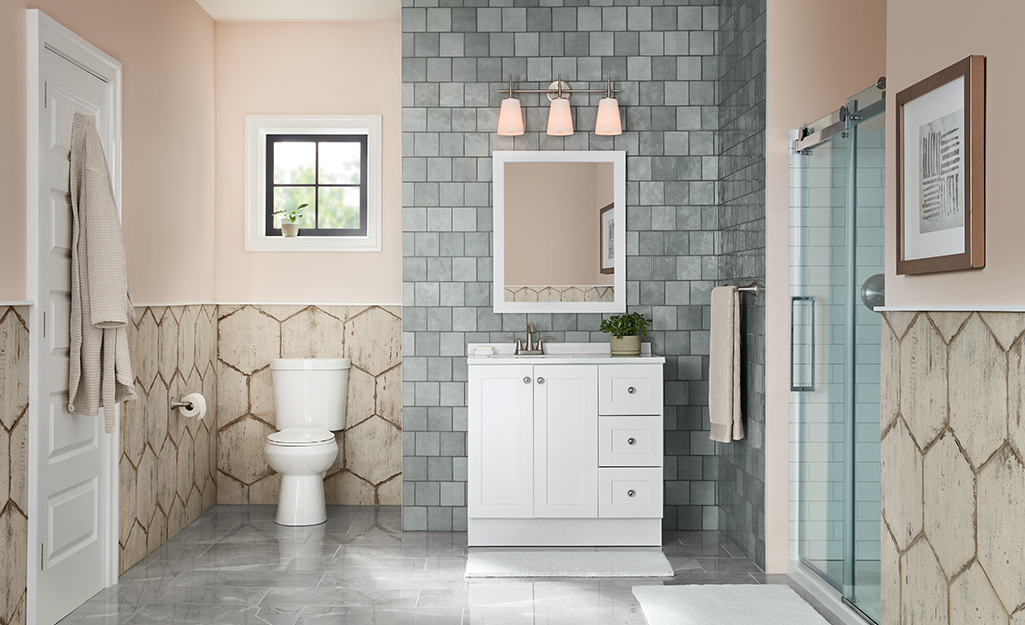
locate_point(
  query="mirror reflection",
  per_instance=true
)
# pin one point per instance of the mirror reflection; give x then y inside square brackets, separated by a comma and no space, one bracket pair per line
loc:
[554,243]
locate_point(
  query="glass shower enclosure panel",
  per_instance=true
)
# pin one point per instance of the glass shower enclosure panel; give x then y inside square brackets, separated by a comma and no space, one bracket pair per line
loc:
[836,279]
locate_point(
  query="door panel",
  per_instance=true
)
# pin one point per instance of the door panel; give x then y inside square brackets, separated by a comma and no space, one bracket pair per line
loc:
[566,441]
[501,456]
[73,460]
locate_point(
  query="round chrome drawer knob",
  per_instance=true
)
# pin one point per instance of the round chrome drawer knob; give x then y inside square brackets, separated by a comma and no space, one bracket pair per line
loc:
[631,441]
[526,379]
[540,380]
[631,493]
[631,390]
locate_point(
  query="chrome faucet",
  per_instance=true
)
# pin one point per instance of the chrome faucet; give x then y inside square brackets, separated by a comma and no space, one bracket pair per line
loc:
[530,348]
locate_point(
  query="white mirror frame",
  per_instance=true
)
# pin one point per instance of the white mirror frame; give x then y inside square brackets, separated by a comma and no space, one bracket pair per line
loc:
[618,160]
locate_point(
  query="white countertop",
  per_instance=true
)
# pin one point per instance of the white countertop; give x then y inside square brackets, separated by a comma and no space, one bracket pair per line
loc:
[557,354]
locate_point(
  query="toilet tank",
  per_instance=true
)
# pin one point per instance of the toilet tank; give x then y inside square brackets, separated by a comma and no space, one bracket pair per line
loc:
[310,392]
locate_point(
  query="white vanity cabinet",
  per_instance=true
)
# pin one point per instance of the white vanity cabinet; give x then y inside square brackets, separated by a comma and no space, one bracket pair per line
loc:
[565,450]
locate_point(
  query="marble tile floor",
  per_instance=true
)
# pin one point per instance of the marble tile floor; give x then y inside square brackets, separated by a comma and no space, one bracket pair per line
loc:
[234,566]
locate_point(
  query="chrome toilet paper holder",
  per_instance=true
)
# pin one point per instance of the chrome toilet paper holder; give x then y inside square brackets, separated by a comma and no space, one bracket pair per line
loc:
[178,403]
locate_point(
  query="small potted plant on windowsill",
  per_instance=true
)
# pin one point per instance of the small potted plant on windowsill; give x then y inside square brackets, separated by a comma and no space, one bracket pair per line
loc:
[626,332]
[290,228]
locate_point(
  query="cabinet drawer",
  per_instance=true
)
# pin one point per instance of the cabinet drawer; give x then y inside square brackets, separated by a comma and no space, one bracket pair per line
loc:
[630,493]
[630,389]
[630,441]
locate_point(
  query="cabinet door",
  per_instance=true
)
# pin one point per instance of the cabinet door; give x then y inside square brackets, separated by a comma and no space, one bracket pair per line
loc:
[500,455]
[566,441]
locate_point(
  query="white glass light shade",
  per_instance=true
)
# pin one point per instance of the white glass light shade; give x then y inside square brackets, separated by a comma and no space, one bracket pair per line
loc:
[608,118]
[560,119]
[510,120]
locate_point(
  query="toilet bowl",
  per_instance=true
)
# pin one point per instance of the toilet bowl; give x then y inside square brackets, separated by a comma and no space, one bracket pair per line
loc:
[309,405]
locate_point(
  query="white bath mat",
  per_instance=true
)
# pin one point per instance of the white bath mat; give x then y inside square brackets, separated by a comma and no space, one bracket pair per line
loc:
[725,605]
[567,563]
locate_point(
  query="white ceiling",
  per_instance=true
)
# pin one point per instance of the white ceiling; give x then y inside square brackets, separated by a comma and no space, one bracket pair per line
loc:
[302,10]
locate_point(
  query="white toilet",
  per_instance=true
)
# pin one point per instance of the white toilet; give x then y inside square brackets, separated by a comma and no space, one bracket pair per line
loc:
[309,405]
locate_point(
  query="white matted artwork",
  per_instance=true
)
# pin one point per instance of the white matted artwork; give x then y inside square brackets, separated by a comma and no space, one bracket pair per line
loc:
[941,160]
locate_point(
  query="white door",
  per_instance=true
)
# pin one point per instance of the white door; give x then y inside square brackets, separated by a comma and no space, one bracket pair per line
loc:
[566,441]
[71,515]
[500,454]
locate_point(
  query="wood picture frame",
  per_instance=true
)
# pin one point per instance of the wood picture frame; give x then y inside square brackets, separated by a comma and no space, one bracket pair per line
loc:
[607,239]
[941,171]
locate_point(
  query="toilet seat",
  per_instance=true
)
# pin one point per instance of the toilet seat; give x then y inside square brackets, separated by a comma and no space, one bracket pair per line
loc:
[296,437]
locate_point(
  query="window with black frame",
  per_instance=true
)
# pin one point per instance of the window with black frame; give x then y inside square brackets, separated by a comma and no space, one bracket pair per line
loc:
[328,173]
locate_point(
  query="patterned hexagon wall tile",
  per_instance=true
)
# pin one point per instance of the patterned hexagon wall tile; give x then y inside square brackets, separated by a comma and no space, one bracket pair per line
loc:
[1001,517]
[949,506]
[261,395]
[972,599]
[146,486]
[240,447]
[389,396]
[948,323]
[344,486]
[5,470]
[135,548]
[1006,327]
[201,461]
[281,312]
[133,426]
[157,413]
[923,378]
[248,339]
[901,478]
[187,340]
[185,469]
[373,340]
[13,562]
[900,321]
[177,517]
[311,333]
[145,352]
[359,403]
[232,395]
[175,420]
[1016,397]
[923,587]
[230,490]
[13,372]
[889,401]
[978,401]
[889,561]
[265,490]
[167,480]
[390,493]
[156,530]
[373,450]
[126,499]
[168,347]
[1018,618]
[19,464]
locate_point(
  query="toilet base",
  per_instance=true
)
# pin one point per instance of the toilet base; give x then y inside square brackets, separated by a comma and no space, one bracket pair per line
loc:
[301,500]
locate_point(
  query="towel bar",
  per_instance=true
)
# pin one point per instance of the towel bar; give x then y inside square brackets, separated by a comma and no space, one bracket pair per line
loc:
[751,288]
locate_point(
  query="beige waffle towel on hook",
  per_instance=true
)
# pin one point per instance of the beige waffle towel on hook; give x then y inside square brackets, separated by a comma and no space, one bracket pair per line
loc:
[100,371]
[724,366]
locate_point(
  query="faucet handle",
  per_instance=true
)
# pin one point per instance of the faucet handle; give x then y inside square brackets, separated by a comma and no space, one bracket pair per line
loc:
[519,343]
[540,342]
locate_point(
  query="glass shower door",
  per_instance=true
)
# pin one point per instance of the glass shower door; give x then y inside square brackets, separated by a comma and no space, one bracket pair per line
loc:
[836,278]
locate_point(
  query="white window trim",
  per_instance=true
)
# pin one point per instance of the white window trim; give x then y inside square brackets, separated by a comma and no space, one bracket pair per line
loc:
[257,129]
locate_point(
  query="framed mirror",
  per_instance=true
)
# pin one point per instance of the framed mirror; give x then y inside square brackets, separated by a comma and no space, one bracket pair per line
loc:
[559,231]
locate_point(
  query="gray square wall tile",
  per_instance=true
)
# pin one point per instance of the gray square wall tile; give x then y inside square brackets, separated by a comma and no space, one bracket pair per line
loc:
[690,71]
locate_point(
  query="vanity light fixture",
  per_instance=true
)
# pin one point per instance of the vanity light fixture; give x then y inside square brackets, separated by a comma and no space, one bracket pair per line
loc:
[510,119]
[608,122]
[560,117]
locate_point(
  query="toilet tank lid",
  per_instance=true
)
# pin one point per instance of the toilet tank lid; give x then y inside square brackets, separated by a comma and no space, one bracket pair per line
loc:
[309,364]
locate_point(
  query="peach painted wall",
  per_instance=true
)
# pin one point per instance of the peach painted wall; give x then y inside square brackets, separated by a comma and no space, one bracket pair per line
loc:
[818,54]
[167,52]
[923,37]
[306,69]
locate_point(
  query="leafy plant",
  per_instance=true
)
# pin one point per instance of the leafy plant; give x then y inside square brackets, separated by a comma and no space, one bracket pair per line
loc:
[625,325]
[292,214]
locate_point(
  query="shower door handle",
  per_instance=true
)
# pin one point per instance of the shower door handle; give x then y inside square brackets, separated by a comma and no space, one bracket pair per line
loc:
[802,343]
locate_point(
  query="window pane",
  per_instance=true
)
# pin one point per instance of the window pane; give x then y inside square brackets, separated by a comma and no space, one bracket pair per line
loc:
[339,207]
[339,162]
[294,162]
[287,198]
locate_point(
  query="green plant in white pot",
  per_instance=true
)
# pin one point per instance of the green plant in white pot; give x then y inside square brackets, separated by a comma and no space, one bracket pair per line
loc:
[626,331]
[290,228]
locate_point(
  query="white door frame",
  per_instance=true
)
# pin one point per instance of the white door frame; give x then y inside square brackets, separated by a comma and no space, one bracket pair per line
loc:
[44,33]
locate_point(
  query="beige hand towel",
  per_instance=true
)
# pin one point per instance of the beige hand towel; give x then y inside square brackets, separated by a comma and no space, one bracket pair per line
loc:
[100,369]
[724,366]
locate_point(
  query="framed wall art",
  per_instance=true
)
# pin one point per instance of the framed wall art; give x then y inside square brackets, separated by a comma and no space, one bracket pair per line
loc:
[941,171]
